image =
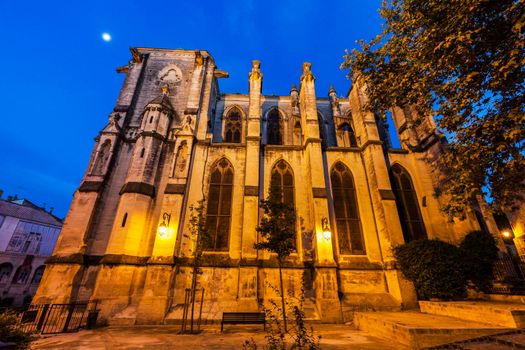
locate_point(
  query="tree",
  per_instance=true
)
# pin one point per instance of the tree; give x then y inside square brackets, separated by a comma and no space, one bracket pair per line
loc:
[479,252]
[200,238]
[435,267]
[277,228]
[462,61]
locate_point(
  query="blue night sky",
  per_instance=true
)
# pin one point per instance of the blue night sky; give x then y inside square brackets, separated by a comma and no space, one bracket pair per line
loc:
[59,83]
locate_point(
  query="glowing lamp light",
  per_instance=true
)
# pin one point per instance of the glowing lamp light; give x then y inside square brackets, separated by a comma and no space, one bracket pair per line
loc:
[327,234]
[506,234]
[163,229]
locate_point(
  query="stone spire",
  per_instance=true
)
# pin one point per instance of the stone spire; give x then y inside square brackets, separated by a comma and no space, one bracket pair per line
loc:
[334,102]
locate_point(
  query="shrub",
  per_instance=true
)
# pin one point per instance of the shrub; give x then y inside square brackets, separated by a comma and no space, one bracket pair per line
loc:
[479,253]
[9,333]
[434,267]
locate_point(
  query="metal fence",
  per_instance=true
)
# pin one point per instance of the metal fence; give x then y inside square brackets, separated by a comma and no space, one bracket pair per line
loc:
[58,318]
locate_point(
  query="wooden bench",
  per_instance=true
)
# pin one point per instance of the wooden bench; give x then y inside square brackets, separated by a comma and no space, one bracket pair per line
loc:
[243,318]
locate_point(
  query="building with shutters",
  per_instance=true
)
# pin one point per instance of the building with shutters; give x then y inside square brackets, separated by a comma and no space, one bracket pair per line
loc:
[174,139]
[28,234]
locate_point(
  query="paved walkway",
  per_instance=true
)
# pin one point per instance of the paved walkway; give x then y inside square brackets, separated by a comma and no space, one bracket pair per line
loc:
[334,337]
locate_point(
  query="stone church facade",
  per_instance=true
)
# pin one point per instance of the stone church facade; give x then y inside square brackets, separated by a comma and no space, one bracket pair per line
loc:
[173,139]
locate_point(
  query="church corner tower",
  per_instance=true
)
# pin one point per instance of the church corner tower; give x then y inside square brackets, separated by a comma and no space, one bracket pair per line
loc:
[173,139]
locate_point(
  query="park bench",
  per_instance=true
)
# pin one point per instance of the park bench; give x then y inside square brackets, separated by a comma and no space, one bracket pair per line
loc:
[243,318]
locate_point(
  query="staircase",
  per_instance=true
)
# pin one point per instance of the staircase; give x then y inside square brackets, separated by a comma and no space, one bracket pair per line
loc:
[501,341]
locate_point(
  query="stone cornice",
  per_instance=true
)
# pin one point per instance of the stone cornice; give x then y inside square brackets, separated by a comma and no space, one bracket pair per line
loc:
[90,186]
[138,187]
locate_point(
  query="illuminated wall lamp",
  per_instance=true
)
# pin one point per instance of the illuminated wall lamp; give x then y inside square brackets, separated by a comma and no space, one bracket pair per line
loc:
[327,234]
[506,234]
[163,229]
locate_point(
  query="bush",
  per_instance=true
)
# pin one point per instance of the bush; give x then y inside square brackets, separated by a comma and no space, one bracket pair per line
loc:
[9,333]
[479,253]
[434,267]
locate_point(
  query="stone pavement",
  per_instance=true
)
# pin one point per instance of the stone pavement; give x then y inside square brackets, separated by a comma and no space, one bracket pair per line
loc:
[334,337]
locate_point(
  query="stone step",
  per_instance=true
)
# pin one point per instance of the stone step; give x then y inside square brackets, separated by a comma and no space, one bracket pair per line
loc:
[502,341]
[418,330]
[500,314]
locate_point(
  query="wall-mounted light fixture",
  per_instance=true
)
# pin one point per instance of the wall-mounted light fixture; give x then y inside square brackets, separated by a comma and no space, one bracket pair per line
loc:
[164,225]
[327,234]
[507,234]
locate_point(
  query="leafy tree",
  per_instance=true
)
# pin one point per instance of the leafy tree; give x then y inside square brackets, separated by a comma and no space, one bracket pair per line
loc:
[277,228]
[435,268]
[479,253]
[462,61]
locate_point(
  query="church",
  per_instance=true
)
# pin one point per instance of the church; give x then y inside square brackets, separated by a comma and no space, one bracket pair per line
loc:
[174,139]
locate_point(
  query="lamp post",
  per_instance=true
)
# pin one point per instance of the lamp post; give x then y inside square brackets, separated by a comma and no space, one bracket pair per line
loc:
[163,229]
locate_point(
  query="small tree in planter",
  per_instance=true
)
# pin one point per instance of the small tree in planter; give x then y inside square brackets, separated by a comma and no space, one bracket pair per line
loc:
[301,337]
[277,228]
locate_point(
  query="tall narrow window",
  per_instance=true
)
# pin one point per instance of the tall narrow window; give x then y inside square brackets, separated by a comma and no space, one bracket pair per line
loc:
[233,127]
[37,276]
[407,205]
[348,224]
[346,136]
[124,219]
[5,272]
[219,205]
[273,130]
[282,177]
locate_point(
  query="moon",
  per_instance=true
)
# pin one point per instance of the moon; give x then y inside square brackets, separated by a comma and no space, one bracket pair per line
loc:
[106,37]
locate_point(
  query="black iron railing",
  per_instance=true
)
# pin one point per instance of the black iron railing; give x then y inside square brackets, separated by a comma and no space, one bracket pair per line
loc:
[58,318]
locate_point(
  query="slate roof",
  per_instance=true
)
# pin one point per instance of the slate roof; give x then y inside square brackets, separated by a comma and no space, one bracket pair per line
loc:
[28,211]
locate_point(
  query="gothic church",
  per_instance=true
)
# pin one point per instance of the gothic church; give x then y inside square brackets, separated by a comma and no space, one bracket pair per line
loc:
[173,139]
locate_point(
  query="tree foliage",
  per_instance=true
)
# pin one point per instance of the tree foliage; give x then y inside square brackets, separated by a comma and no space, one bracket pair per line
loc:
[434,267]
[9,333]
[462,61]
[479,253]
[277,226]
[277,229]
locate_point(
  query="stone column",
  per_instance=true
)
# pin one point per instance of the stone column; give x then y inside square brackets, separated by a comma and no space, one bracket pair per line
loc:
[248,273]
[383,201]
[325,283]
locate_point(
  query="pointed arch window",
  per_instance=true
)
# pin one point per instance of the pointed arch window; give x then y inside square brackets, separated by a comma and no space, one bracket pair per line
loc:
[274,135]
[233,126]
[218,210]
[407,204]
[282,177]
[348,223]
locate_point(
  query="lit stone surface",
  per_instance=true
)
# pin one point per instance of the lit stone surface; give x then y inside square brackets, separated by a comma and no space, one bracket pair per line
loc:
[162,142]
